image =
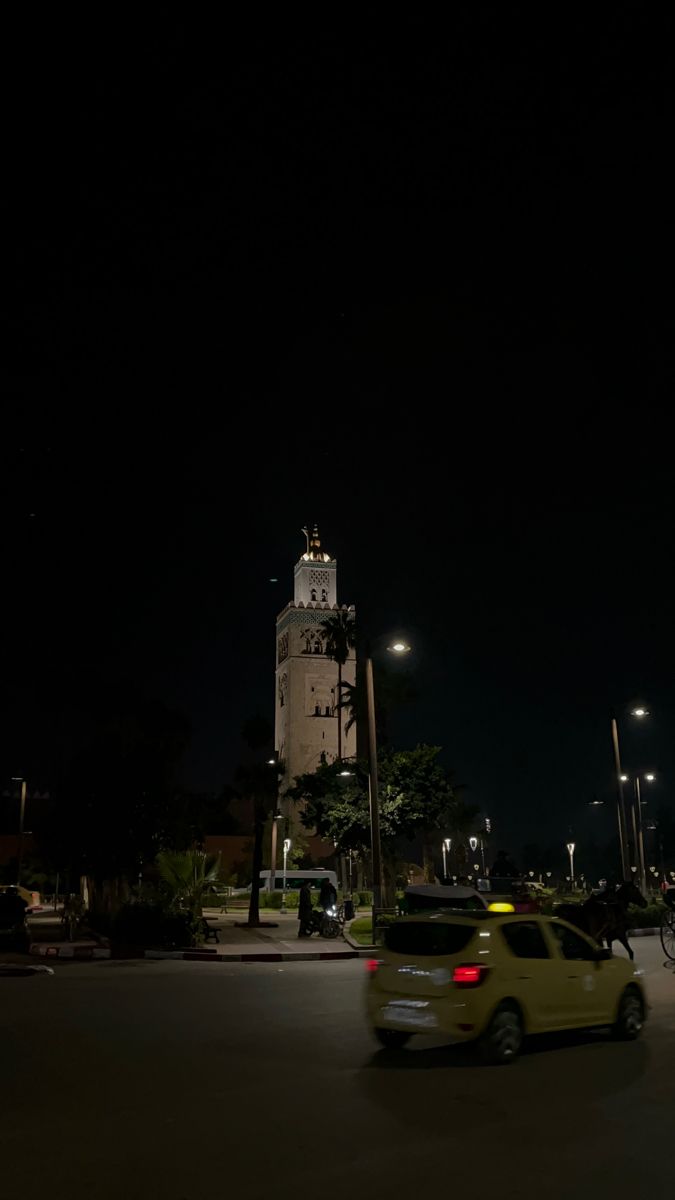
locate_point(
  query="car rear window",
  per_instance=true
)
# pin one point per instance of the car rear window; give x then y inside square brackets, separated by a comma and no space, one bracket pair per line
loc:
[433,903]
[428,937]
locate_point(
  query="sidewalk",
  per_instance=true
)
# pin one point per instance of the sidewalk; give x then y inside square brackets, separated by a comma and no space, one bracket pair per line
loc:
[276,941]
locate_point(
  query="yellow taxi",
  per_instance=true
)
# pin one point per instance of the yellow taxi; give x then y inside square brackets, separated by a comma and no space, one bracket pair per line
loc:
[496,977]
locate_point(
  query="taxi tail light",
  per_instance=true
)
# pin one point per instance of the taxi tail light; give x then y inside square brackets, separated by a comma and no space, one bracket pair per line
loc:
[373,965]
[469,975]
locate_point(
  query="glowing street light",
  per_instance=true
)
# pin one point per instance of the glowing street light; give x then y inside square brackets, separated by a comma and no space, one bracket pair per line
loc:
[446,847]
[570,851]
[398,647]
[640,712]
[473,842]
[287,846]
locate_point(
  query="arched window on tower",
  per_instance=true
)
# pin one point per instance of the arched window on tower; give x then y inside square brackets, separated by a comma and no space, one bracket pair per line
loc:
[312,594]
[324,595]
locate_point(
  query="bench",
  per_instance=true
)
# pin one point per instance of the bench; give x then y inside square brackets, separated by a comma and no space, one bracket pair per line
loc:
[210,933]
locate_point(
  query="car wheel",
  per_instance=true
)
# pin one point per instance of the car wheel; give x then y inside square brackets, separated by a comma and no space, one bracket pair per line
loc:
[631,1016]
[392,1039]
[502,1039]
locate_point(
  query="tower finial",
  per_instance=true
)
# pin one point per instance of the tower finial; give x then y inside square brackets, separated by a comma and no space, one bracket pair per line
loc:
[315,543]
[305,530]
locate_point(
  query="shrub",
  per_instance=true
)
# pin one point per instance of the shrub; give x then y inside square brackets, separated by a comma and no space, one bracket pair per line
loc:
[644,918]
[385,919]
[215,899]
[152,925]
[365,899]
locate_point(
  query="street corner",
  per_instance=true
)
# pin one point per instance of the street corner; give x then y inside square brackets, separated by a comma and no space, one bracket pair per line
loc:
[70,950]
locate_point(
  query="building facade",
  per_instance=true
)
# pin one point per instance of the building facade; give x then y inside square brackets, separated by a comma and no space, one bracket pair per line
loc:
[306,708]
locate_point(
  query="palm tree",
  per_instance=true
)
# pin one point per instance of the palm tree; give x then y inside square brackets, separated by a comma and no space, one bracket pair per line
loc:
[187,874]
[339,633]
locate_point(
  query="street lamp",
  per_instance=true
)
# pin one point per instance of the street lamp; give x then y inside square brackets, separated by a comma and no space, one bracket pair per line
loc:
[273,851]
[398,647]
[22,815]
[638,828]
[272,762]
[639,712]
[473,842]
[287,846]
[570,851]
[446,847]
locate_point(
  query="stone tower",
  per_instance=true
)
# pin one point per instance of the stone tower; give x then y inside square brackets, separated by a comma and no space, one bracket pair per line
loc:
[306,712]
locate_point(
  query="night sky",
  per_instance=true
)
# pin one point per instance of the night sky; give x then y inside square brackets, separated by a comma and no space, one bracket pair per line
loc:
[419,294]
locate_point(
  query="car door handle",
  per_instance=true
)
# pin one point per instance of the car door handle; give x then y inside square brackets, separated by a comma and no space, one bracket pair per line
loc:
[573,976]
[524,976]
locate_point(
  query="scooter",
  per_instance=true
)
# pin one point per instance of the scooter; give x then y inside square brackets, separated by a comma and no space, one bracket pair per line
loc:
[325,922]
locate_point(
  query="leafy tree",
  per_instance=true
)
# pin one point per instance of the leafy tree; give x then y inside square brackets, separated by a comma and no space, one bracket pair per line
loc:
[258,780]
[416,799]
[113,800]
[339,632]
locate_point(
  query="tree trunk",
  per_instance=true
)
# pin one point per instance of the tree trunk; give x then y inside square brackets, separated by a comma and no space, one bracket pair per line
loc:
[339,712]
[428,861]
[258,832]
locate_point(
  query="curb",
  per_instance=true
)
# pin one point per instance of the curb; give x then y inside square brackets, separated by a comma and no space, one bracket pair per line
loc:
[286,956]
[69,950]
[7,970]
[652,931]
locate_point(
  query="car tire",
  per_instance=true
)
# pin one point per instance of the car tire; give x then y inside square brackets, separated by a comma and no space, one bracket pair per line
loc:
[503,1038]
[392,1039]
[630,1017]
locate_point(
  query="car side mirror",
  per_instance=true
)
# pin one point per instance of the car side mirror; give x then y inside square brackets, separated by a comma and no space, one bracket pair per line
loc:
[602,955]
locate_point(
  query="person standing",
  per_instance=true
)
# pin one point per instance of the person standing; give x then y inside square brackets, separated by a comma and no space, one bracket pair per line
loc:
[305,910]
[327,894]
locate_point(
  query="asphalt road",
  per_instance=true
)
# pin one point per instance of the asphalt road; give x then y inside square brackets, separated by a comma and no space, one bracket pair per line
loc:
[188,1081]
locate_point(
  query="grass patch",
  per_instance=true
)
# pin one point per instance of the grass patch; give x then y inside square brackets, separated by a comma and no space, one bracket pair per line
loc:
[361,930]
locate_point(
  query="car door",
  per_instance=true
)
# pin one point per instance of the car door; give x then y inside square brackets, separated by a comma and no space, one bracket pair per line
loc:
[588,988]
[532,973]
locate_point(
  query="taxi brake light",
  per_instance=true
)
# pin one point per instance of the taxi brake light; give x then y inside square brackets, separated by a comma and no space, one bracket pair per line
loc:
[469,975]
[373,965]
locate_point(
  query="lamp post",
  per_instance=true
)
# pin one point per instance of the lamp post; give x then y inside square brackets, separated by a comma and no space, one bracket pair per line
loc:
[639,713]
[570,851]
[375,843]
[650,777]
[22,817]
[287,846]
[620,807]
[273,854]
[447,845]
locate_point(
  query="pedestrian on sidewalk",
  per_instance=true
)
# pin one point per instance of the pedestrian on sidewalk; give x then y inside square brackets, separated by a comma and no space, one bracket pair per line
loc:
[305,910]
[327,894]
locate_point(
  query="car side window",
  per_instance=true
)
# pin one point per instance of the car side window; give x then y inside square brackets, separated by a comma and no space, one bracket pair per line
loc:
[525,939]
[572,946]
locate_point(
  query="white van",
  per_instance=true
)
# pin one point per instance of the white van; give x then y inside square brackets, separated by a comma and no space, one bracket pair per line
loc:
[295,879]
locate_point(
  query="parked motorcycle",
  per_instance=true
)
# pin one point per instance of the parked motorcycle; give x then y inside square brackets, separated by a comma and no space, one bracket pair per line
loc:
[325,922]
